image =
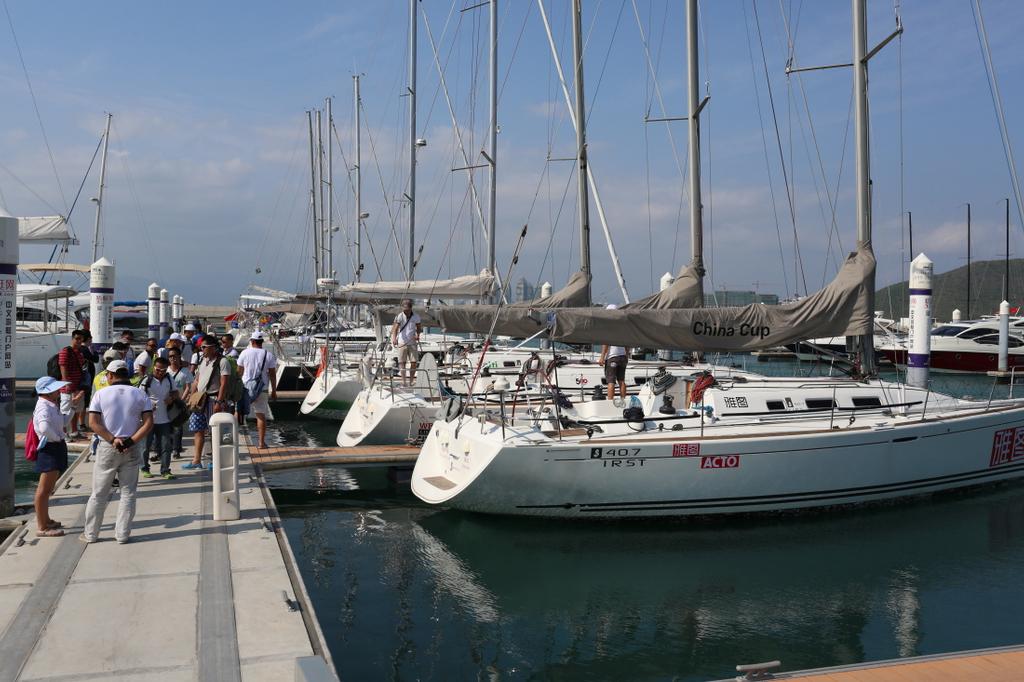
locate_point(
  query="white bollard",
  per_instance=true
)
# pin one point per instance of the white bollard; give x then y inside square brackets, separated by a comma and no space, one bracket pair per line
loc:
[920,321]
[165,314]
[153,305]
[177,313]
[1004,337]
[225,466]
[956,315]
[101,304]
[8,335]
[545,289]
[666,281]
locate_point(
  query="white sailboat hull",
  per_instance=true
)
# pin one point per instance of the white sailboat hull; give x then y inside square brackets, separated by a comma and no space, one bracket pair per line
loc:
[680,476]
[332,393]
[379,416]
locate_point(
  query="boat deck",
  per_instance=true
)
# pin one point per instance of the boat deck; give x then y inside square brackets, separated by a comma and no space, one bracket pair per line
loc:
[294,457]
[188,598]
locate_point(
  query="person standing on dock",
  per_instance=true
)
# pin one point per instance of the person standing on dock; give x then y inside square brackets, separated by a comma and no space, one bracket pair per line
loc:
[188,345]
[259,377]
[51,453]
[213,374]
[128,338]
[159,388]
[121,416]
[88,376]
[144,363]
[182,378]
[405,336]
[72,369]
[227,345]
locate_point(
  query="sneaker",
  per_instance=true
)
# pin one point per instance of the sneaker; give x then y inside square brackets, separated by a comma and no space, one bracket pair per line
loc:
[168,476]
[192,465]
[86,540]
[146,473]
[154,458]
[124,541]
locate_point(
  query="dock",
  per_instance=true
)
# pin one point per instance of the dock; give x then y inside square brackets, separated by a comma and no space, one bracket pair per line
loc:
[188,598]
[294,457]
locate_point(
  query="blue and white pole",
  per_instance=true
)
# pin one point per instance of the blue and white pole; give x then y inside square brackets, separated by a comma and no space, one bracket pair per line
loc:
[153,303]
[920,321]
[1004,337]
[8,335]
[177,312]
[101,304]
[165,314]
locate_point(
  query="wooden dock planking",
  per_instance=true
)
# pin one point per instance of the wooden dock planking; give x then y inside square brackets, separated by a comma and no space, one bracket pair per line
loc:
[989,664]
[291,457]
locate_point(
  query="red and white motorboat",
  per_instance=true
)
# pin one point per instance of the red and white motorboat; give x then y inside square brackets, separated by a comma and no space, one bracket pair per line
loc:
[970,346]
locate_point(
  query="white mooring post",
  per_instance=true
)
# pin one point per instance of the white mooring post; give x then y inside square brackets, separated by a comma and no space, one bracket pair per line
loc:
[176,313]
[956,315]
[8,334]
[545,289]
[165,314]
[666,281]
[920,321]
[153,305]
[101,304]
[1004,337]
[225,466]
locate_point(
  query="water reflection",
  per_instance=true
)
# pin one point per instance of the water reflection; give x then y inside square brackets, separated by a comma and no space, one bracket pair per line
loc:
[405,591]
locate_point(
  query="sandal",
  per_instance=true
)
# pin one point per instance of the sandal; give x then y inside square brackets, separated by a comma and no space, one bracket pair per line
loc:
[50,533]
[54,524]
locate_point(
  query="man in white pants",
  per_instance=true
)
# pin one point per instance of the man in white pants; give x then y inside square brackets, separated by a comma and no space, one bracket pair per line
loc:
[121,416]
[259,369]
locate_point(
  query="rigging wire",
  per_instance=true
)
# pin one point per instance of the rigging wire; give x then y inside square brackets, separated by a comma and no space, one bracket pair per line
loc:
[277,201]
[39,117]
[29,189]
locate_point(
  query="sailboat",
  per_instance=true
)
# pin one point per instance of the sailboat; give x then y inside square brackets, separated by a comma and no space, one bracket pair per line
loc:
[714,447]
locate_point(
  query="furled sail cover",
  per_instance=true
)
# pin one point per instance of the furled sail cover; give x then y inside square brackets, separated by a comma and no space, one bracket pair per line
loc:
[687,291]
[518,319]
[467,286]
[843,308]
[43,230]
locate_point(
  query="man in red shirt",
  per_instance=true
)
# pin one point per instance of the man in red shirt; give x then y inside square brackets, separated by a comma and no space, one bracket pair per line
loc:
[72,364]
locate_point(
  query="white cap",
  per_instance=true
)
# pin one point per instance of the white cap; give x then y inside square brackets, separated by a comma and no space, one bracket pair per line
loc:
[117,365]
[256,336]
[190,327]
[47,385]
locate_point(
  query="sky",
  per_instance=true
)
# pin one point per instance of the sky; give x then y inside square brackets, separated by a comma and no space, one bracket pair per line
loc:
[208,174]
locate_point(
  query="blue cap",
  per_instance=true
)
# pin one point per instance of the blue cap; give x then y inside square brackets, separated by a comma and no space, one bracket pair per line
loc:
[47,385]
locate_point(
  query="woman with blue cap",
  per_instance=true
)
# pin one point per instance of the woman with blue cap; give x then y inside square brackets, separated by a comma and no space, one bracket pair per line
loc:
[52,454]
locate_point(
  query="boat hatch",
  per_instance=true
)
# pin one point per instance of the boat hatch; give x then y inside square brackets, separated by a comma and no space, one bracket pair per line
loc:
[820,403]
[866,401]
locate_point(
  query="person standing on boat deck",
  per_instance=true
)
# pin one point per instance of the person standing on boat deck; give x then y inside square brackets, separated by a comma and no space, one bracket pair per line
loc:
[159,389]
[405,336]
[144,363]
[72,369]
[52,453]
[212,378]
[614,359]
[182,378]
[121,416]
[259,371]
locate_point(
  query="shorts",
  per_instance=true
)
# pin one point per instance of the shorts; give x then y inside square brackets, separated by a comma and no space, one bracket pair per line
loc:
[52,457]
[615,369]
[408,353]
[70,406]
[200,421]
[261,405]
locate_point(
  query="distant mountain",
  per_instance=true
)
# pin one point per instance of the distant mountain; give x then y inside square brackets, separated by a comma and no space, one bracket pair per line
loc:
[950,291]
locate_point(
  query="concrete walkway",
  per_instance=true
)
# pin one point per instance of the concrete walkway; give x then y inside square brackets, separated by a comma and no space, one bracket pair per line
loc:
[187,599]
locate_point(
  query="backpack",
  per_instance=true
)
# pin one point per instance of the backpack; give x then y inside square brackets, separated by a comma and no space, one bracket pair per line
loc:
[255,387]
[31,441]
[53,365]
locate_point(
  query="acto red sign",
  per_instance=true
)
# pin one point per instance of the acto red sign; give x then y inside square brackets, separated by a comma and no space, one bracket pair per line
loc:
[720,462]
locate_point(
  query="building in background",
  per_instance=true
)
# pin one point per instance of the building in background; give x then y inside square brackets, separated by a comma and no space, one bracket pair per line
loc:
[730,299]
[524,290]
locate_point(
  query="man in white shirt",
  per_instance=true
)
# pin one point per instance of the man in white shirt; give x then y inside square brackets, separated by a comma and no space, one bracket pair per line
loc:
[188,348]
[259,376]
[144,362]
[614,359]
[405,336]
[159,388]
[121,416]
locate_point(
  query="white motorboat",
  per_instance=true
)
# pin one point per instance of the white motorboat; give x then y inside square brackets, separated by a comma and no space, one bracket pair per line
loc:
[966,347]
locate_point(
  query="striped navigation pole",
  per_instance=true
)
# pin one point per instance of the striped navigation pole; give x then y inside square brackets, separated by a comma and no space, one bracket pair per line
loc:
[920,321]
[177,312]
[165,314]
[101,304]
[153,305]
[8,331]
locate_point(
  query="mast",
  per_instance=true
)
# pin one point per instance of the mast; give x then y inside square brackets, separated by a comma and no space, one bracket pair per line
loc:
[969,261]
[492,208]
[412,139]
[320,190]
[1006,273]
[312,200]
[99,197]
[359,180]
[330,192]
[865,343]
[693,121]
[581,136]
